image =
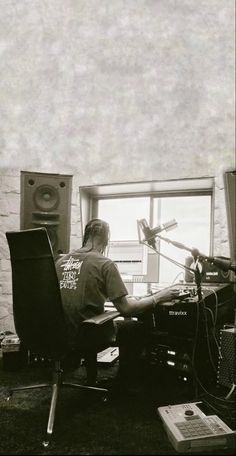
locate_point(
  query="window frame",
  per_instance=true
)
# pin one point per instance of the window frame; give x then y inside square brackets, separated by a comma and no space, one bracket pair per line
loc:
[90,195]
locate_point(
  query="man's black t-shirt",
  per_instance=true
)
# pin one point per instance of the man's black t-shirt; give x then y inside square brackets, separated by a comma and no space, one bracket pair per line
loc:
[87,280]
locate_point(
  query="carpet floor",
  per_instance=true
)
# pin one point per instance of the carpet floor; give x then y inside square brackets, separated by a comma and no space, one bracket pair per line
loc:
[127,424]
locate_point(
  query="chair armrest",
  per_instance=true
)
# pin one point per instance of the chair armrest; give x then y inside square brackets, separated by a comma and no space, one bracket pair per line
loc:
[102,318]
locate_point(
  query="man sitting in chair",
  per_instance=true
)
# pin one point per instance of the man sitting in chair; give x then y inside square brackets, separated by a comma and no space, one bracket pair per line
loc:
[88,279]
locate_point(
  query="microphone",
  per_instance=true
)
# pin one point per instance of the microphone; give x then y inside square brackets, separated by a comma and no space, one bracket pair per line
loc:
[223,263]
[150,233]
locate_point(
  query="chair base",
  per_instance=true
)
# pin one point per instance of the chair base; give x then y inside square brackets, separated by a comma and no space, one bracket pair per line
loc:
[56,385]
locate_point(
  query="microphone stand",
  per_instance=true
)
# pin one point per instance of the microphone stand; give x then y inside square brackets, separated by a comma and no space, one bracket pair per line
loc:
[196,271]
[198,278]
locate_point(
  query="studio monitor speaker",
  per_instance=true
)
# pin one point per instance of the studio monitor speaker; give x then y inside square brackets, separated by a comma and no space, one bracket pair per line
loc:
[46,202]
[230,190]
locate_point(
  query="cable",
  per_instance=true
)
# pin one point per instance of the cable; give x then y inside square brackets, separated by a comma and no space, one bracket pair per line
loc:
[208,393]
[179,274]
[213,332]
[216,301]
[224,400]
[208,342]
[221,410]
[200,299]
[214,336]
[231,391]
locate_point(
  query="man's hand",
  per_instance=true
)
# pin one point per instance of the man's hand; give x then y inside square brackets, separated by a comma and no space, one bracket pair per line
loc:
[165,295]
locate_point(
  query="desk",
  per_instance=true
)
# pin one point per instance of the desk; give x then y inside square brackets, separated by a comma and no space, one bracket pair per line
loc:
[184,336]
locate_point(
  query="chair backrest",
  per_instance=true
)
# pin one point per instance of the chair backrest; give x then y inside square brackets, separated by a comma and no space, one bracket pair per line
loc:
[37,306]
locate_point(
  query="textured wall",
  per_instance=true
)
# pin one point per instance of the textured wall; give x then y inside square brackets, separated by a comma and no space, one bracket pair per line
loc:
[114,91]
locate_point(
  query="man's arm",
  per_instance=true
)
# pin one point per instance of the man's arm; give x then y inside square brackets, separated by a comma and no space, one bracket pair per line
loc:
[130,306]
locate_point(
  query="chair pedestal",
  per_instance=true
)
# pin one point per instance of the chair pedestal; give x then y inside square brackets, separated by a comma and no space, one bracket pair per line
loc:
[56,385]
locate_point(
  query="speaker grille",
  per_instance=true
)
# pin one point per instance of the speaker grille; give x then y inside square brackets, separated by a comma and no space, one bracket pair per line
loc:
[227,361]
[46,202]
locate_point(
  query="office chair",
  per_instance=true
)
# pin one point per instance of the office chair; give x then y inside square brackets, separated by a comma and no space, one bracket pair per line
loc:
[38,312]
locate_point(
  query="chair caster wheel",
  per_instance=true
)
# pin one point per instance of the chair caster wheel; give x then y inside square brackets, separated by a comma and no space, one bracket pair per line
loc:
[8,395]
[45,443]
[105,399]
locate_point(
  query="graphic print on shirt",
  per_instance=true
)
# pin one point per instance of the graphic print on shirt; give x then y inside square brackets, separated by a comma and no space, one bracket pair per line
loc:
[70,274]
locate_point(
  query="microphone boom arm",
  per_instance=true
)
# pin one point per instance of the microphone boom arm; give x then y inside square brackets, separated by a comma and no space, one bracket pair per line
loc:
[176,244]
[183,266]
[222,263]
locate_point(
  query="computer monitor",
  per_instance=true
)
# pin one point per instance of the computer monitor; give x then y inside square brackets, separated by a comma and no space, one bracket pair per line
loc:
[129,256]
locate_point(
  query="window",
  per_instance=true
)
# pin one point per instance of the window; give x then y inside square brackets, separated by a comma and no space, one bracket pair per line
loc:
[122,215]
[124,248]
[187,201]
[193,215]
